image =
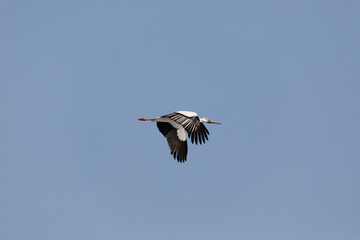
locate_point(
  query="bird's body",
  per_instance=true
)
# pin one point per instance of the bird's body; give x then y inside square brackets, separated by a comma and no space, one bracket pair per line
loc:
[173,127]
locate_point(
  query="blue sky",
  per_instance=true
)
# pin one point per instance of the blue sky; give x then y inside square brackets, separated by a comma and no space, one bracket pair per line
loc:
[282,76]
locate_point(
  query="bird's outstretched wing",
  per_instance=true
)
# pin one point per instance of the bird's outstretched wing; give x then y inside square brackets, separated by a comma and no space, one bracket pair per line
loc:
[196,129]
[178,148]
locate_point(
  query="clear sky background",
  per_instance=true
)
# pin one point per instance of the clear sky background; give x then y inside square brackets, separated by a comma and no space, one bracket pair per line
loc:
[282,76]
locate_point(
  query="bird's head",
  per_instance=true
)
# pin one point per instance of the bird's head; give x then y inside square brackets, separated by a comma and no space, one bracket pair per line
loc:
[205,120]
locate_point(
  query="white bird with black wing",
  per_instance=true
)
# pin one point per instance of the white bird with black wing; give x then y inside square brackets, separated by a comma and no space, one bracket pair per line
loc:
[173,127]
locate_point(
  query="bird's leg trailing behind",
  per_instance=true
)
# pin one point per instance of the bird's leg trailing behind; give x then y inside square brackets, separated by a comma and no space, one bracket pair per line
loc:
[146,119]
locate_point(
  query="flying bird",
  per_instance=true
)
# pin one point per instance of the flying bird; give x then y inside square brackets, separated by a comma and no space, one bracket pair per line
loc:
[173,127]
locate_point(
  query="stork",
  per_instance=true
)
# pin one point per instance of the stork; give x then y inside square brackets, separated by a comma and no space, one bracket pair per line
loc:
[173,127]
